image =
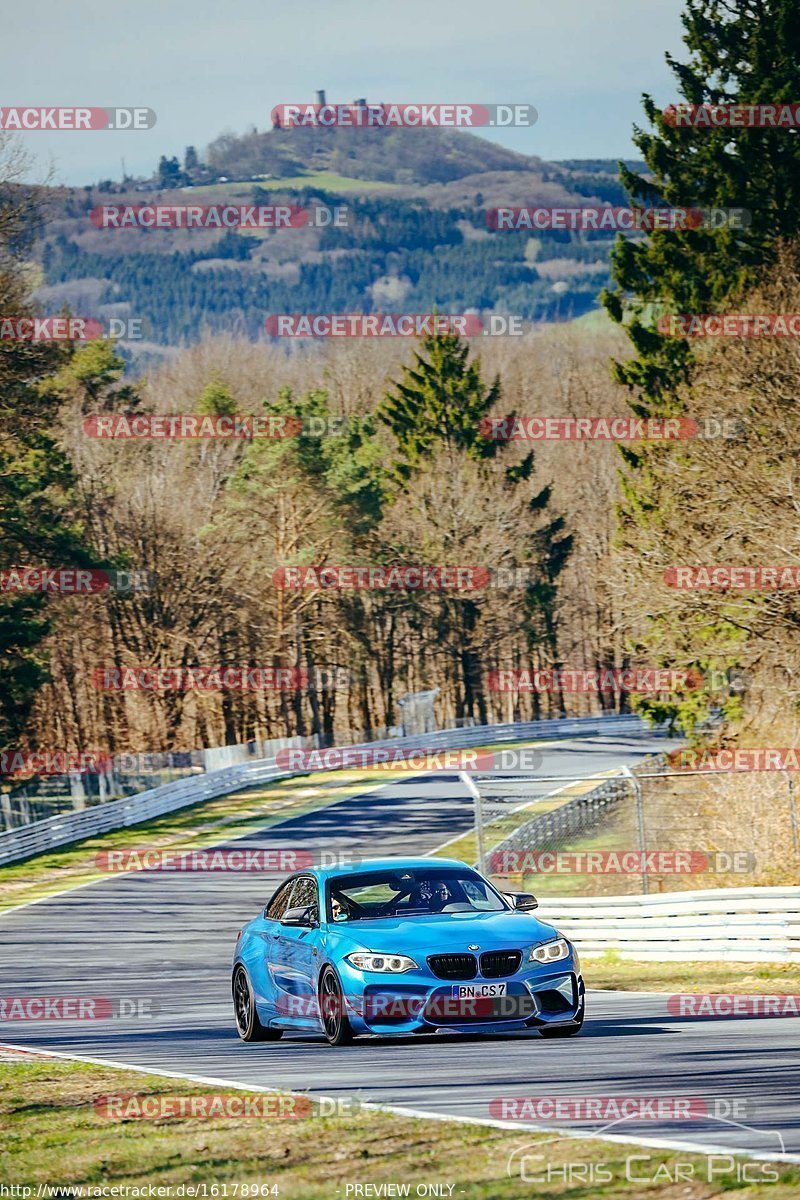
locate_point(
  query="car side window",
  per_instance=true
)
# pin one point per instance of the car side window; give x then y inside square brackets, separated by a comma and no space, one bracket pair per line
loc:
[279,902]
[305,893]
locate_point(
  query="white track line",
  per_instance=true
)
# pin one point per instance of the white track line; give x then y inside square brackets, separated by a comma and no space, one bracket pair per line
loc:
[423,1114]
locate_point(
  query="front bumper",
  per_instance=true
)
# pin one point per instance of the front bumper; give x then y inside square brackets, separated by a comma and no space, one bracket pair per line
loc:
[417,1001]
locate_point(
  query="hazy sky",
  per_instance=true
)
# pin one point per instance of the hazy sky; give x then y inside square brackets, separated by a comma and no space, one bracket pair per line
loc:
[207,66]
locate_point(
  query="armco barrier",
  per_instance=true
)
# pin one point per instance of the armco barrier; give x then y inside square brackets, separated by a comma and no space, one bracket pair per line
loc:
[759,924]
[60,830]
[124,775]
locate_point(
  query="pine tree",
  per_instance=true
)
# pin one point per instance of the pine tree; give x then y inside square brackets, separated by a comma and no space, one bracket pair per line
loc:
[37,526]
[440,405]
[439,402]
[169,172]
[740,53]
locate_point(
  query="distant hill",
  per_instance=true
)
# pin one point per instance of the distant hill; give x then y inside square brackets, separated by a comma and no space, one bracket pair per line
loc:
[403,156]
[416,239]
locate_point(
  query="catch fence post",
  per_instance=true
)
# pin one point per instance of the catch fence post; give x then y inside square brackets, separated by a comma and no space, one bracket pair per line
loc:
[637,787]
[469,784]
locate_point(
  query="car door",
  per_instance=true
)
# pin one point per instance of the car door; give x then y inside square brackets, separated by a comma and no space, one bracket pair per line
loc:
[258,950]
[293,957]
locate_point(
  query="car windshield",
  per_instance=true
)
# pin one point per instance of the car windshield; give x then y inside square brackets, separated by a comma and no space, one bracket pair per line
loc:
[413,893]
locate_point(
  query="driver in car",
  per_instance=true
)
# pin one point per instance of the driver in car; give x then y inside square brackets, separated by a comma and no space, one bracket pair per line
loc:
[431,894]
[440,896]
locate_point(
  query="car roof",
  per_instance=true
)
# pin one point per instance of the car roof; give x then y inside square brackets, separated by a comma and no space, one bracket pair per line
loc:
[384,864]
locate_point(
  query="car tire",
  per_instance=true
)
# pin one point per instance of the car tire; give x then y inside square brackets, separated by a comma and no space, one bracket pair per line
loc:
[335,1025]
[248,1026]
[565,1031]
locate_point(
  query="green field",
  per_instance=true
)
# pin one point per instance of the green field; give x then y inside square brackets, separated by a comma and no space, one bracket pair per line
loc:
[610,971]
[55,1131]
[327,180]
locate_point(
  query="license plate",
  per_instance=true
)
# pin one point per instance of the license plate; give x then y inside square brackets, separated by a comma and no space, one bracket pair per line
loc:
[478,991]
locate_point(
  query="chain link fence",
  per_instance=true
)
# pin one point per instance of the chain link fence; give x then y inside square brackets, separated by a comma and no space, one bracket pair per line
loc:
[643,830]
[31,837]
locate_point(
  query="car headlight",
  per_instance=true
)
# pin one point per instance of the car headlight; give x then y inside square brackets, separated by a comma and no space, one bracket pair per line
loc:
[394,964]
[550,951]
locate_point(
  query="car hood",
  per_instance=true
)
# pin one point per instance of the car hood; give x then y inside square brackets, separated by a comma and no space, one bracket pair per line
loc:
[443,933]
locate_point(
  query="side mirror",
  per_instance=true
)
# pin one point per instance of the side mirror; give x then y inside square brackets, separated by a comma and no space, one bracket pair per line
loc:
[305,916]
[523,901]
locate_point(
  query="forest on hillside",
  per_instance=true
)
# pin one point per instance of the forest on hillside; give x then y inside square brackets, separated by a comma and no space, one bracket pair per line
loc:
[390,465]
[391,253]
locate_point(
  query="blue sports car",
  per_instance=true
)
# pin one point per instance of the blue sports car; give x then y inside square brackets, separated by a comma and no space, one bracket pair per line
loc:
[399,946]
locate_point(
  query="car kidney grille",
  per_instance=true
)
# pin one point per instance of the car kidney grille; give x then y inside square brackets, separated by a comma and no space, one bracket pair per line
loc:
[497,963]
[453,966]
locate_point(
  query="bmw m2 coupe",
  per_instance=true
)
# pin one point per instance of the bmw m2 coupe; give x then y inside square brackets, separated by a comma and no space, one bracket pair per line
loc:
[400,946]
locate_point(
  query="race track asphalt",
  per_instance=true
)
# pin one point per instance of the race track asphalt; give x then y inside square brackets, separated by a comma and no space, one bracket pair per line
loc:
[168,937]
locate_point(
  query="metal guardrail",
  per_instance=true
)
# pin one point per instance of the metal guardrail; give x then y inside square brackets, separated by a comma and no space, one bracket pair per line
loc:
[60,830]
[759,924]
[64,828]
[124,775]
